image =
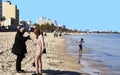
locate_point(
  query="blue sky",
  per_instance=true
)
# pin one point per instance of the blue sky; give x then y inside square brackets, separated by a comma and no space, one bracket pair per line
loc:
[75,14]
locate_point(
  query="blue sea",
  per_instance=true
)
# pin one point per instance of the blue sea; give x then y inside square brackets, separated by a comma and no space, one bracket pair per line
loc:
[104,48]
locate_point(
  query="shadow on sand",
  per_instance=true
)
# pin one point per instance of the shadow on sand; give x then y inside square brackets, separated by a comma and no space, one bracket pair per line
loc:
[58,72]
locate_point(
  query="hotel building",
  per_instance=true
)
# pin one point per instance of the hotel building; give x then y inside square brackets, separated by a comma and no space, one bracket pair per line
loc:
[44,20]
[11,14]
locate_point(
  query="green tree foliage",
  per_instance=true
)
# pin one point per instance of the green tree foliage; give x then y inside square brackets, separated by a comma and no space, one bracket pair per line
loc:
[51,27]
[46,27]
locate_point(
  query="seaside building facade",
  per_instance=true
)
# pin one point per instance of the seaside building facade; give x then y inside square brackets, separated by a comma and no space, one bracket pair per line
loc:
[44,20]
[0,10]
[11,14]
[25,24]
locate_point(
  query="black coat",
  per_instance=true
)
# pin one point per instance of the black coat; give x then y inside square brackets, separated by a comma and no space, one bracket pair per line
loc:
[19,46]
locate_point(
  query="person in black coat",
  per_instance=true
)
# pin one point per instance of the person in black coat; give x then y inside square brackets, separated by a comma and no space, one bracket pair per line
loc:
[19,48]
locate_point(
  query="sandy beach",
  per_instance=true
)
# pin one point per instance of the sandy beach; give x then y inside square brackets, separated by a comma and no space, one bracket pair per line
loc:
[55,62]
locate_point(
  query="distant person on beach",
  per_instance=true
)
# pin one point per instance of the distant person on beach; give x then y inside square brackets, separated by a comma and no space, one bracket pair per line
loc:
[60,34]
[19,48]
[55,33]
[39,51]
[80,44]
[44,33]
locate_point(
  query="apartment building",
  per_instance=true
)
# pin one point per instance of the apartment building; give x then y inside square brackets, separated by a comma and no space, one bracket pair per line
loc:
[44,20]
[11,14]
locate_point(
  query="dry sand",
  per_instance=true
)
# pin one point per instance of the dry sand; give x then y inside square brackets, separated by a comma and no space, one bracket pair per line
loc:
[55,62]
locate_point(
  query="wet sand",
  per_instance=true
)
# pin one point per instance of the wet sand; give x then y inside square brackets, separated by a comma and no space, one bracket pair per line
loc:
[55,62]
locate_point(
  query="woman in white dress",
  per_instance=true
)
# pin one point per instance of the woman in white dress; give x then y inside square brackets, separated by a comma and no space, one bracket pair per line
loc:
[39,51]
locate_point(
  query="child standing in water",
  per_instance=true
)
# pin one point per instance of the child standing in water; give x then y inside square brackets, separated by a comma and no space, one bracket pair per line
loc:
[80,43]
[80,48]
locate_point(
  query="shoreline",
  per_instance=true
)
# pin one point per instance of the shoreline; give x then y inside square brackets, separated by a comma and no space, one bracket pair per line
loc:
[90,66]
[79,58]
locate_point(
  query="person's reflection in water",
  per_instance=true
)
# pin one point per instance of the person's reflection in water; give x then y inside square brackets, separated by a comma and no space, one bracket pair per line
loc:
[79,56]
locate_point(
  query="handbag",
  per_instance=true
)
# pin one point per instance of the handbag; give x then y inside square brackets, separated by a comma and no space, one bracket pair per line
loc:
[44,51]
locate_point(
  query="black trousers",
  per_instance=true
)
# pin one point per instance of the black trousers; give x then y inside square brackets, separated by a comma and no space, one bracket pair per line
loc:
[80,47]
[18,62]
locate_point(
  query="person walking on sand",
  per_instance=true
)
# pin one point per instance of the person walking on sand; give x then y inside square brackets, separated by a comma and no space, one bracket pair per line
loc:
[19,48]
[39,51]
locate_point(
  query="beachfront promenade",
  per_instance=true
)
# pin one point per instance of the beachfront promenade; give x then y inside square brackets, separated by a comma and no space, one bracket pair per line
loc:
[55,62]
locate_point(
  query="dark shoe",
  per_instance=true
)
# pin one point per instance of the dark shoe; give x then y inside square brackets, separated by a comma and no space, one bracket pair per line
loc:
[21,71]
[39,74]
[34,74]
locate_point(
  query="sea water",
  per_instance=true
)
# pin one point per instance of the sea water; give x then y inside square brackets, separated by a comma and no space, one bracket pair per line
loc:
[102,47]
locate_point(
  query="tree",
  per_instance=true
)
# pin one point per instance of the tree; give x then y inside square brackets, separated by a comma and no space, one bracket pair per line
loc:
[9,2]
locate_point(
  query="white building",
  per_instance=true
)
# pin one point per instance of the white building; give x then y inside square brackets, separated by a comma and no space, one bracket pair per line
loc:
[9,23]
[44,20]
[25,24]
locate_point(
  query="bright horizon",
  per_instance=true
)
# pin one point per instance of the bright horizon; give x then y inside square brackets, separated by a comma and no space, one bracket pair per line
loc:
[102,15]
